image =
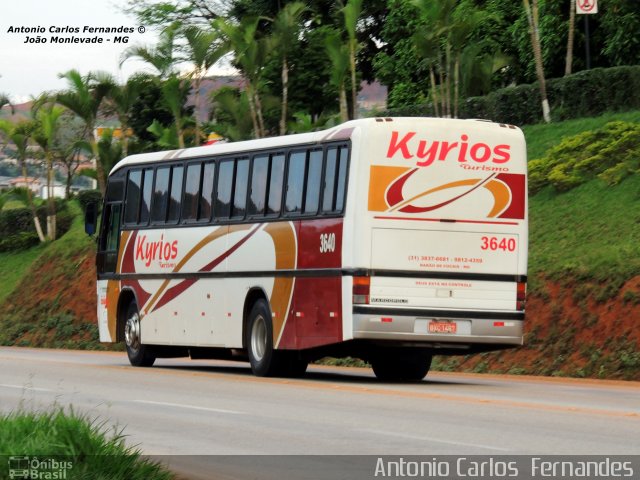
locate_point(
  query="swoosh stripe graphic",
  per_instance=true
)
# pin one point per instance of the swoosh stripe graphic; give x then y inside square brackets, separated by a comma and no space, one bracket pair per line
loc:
[501,195]
[405,208]
[178,289]
[216,234]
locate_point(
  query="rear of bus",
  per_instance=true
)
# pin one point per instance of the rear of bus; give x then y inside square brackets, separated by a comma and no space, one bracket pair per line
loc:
[437,240]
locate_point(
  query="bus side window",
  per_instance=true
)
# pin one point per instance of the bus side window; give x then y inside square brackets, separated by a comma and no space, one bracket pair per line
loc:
[134,182]
[206,195]
[295,182]
[342,179]
[147,185]
[113,228]
[335,179]
[314,174]
[222,207]
[276,178]
[328,196]
[258,186]
[160,195]
[240,189]
[176,194]
[191,192]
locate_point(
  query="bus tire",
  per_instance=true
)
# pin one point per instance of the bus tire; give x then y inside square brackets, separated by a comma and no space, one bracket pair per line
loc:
[139,355]
[401,368]
[264,359]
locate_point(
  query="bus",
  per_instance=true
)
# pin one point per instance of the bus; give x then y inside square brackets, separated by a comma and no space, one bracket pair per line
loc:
[384,239]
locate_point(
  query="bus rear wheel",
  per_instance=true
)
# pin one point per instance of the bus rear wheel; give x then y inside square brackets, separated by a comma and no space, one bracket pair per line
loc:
[262,356]
[139,355]
[403,367]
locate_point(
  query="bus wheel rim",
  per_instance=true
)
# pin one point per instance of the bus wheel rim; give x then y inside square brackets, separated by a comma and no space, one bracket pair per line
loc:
[259,338]
[132,331]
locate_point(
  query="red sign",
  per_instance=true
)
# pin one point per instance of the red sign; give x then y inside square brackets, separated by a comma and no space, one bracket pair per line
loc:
[586,6]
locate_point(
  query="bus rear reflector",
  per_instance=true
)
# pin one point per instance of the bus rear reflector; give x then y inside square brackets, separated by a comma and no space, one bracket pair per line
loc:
[361,288]
[521,295]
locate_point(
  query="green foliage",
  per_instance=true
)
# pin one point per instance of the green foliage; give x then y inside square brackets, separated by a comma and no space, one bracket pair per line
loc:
[584,94]
[94,450]
[86,197]
[610,153]
[18,241]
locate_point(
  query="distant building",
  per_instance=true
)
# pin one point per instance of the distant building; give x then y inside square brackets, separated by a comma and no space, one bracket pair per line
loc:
[59,190]
[32,183]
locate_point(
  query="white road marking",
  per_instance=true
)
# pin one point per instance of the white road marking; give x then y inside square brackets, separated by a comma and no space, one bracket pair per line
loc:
[191,407]
[435,440]
[25,387]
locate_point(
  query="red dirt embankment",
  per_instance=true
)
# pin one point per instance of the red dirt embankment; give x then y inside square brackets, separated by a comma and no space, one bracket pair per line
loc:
[568,332]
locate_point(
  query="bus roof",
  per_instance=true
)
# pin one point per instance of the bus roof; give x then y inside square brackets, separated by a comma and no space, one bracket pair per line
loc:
[339,132]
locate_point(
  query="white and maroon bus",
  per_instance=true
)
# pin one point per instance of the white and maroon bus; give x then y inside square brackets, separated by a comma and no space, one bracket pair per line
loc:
[387,239]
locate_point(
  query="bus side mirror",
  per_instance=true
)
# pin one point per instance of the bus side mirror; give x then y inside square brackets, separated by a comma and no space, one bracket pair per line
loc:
[91,218]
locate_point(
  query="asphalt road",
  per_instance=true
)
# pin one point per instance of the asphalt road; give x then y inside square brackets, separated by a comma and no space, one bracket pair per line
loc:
[184,407]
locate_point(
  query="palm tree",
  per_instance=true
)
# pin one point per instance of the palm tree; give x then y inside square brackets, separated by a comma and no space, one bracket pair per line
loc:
[20,134]
[250,54]
[339,55]
[572,27]
[351,12]
[531,10]
[47,117]
[162,57]
[286,29]
[203,50]
[120,99]
[84,97]
[174,93]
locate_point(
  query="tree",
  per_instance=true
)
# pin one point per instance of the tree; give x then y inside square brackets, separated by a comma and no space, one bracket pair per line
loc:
[446,41]
[120,100]
[110,150]
[351,13]
[286,31]
[174,94]
[4,100]
[148,107]
[533,19]
[20,135]
[162,57]
[250,54]
[338,53]
[572,27]
[203,50]
[48,117]
[233,120]
[84,98]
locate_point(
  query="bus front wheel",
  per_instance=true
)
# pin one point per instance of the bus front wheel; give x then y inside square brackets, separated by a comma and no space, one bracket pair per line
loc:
[401,367]
[139,355]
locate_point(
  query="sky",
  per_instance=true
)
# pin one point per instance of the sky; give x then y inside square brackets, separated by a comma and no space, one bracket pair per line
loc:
[28,69]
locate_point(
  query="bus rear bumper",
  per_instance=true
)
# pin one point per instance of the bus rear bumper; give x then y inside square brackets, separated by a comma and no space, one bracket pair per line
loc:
[440,329]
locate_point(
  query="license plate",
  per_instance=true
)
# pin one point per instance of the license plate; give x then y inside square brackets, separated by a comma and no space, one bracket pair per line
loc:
[442,327]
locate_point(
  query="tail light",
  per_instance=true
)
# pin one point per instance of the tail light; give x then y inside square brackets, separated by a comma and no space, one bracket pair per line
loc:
[521,295]
[361,287]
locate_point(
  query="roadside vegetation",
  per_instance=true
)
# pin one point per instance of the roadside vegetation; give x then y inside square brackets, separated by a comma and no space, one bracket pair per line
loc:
[300,68]
[583,287]
[82,448]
